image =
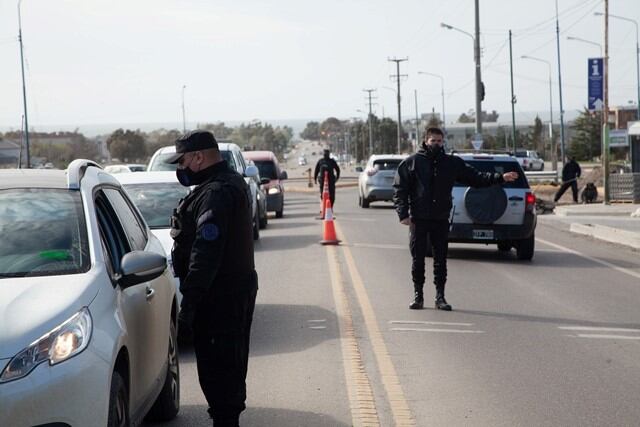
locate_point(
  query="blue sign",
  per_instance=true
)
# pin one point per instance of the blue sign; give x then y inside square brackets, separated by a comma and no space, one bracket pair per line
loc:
[596,78]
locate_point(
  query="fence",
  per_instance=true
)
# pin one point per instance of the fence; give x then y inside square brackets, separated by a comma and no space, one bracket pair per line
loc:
[624,187]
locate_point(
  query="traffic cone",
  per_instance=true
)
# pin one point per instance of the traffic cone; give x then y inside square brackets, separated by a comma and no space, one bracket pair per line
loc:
[325,196]
[328,228]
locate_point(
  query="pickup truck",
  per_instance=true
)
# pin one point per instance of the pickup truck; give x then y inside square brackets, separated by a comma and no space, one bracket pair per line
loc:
[529,160]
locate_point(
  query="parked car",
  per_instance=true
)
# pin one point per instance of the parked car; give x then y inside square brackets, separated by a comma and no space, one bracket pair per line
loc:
[529,160]
[302,161]
[261,197]
[114,169]
[156,195]
[375,183]
[269,168]
[233,155]
[135,167]
[88,307]
[501,214]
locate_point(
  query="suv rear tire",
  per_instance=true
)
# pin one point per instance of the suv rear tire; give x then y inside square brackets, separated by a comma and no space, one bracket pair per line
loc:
[525,248]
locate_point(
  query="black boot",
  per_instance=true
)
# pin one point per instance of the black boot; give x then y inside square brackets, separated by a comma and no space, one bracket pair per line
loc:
[418,298]
[441,303]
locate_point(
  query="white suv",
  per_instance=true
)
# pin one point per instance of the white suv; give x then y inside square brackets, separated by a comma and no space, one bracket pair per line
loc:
[501,214]
[88,306]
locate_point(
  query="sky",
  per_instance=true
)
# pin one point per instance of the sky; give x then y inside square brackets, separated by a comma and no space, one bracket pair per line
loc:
[131,61]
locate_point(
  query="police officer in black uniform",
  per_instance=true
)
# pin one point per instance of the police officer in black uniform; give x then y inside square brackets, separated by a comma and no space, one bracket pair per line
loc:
[213,257]
[422,198]
[326,163]
[570,174]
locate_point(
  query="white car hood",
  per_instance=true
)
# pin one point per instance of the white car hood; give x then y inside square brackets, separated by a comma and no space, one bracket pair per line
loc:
[32,306]
[165,238]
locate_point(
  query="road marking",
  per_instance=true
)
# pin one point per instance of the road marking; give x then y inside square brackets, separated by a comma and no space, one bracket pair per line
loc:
[317,327]
[361,400]
[380,246]
[317,320]
[609,337]
[421,322]
[400,410]
[590,258]
[597,328]
[453,331]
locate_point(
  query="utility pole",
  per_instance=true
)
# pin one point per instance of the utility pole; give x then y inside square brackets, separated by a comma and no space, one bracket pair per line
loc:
[398,76]
[184,120]
[415,93]
[479,84]
[560,88]
[513,96]
[370,117]
[24,89]
[605,112]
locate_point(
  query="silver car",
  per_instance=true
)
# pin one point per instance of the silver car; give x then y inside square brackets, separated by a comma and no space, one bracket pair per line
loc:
[375,183]
[88,306]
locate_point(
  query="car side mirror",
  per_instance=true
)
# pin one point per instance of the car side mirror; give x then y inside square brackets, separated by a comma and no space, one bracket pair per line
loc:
[140,266]
[264,181]
[283,175]
[359,169]
[251,171]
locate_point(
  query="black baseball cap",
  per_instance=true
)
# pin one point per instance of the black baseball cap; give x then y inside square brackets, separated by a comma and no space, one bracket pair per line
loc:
[196,140]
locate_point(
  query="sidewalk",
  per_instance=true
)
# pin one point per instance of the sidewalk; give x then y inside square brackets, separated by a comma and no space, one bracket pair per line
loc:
[612,223]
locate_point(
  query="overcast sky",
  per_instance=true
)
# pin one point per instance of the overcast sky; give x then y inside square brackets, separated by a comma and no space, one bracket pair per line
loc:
[126,61]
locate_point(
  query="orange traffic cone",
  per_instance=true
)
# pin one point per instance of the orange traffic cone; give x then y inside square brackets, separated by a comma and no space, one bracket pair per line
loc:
[325,196]
[328,228]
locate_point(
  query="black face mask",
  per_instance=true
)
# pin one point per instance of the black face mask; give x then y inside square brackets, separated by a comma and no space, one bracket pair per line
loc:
[433,150]
[187,177]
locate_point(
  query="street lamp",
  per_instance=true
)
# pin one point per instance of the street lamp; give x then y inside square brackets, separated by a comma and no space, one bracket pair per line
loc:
[553,147]
[637,51]
[476,56]
[444,121]
[24,91]
[184,120]
[578,39]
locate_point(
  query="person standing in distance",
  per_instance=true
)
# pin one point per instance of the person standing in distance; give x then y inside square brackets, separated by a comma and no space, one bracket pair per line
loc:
[326,163]
[213,257]
[570,174]
[422,198]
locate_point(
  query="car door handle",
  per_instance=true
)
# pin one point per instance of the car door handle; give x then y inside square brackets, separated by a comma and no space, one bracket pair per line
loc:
[150,292]
[515,199]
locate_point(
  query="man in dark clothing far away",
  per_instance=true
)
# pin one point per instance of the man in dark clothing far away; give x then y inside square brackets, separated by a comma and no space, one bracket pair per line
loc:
[326,163]
[213,257]
[570,174]
[422,198]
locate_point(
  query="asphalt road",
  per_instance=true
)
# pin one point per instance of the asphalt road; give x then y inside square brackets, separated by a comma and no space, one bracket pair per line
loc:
[550,342]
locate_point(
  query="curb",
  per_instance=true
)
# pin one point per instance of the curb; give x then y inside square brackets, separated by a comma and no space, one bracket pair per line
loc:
[561,211]
[608,234]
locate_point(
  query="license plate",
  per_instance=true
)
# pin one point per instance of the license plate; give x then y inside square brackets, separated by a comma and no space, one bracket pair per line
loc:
[483,234]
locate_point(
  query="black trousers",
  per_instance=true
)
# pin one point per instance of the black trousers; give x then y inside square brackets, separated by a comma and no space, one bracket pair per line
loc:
[436,231]
[221,342]
[565,185]
[332,190]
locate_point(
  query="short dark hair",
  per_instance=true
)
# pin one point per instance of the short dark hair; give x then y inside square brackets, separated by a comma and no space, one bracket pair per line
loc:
[433,131]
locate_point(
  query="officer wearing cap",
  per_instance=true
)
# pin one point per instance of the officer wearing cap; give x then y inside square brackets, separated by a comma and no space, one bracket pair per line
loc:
[213,257]
[329,165]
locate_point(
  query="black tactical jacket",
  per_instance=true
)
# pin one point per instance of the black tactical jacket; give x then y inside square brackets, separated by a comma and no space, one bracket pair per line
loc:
[328,165]
[423,183]
[213,240]
[571,171]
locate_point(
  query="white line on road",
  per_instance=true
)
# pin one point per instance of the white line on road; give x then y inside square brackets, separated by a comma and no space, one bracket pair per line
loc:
[317,321]
[609,337]
[590,258]
[596,328]
[380,246]
[421,322]
[453,331]
[317,327]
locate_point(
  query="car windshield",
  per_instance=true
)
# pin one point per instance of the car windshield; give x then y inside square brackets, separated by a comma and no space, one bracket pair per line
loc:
[500,167]
[386,164]
[156,201]
[159,164]
[43,233]
[267,169]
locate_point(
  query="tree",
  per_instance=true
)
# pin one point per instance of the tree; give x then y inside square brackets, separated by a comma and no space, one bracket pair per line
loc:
[311,131]
[161,138]
[491,117]
[127,145]
[587,138]
[219,129]
[537,136]
[469,117]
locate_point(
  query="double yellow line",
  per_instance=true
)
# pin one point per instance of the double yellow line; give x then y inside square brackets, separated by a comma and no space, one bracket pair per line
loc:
[361,398]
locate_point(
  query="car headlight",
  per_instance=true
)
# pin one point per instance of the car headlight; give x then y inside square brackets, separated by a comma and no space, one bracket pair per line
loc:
[274,190]
[62,343]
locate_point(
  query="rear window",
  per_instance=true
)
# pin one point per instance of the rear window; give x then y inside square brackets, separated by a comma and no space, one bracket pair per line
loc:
[160,165]
[500,167]
[43,233]
[267,169]
[386,164]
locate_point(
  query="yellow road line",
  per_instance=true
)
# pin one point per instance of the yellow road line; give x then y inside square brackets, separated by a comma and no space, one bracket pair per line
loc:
[402,415]
[361,399]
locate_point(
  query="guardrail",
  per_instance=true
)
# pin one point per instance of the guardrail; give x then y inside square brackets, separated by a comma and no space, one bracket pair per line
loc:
[542,176]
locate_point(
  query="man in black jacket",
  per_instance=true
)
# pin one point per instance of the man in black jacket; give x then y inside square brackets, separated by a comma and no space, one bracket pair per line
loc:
[213,257]
[327,164]
[422,199]
[570,174]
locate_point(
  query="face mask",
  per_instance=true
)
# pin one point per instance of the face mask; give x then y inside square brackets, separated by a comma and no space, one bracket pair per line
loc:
[433,149]
[188,177]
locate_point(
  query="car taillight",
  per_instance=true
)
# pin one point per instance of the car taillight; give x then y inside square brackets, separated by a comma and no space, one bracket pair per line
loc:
[372,171]
[530,201]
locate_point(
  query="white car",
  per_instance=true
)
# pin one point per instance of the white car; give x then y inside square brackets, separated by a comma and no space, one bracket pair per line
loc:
[375,183]
[88,306]
[529,160]
[233,155]
[156,195]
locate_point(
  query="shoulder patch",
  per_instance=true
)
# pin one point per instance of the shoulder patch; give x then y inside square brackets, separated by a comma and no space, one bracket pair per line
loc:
[210,232]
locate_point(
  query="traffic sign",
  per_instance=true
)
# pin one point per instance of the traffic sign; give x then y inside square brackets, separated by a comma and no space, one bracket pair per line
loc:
[595,77]
[477,142]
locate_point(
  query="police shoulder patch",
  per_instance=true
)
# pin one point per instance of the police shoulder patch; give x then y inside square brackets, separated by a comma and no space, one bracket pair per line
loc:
[210,232]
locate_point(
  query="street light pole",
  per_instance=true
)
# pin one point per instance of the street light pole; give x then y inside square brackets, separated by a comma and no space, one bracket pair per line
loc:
[398,76]
[444,120]
[184,120]
[637,52]
[560,87]
[578,39]
[24,89]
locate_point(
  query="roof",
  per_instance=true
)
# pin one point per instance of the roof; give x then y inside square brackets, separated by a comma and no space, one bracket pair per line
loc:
[259,155]
[388,156]
[222,146]
[32,178]
[153,177]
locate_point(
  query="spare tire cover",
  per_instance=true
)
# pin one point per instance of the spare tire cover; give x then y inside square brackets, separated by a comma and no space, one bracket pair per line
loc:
[485,205]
